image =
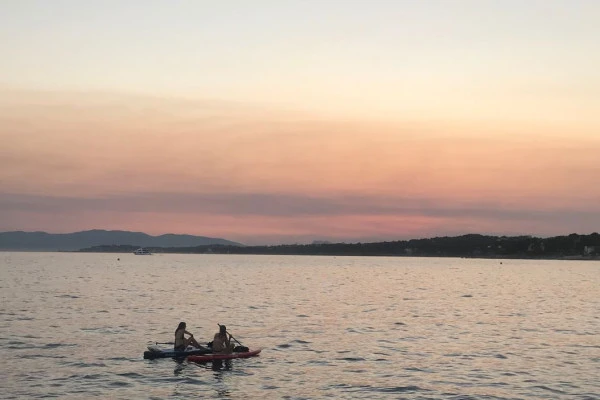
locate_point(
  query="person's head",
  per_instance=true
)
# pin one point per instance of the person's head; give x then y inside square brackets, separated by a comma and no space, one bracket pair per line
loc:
[222,329]
[180,326]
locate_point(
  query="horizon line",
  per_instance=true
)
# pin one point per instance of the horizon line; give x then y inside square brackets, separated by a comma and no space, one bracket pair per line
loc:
[324,240]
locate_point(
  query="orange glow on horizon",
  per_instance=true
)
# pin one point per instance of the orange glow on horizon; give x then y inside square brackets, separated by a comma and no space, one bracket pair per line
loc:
[106,149]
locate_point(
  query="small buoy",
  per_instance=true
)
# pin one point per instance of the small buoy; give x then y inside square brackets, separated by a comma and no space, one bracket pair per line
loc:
[118,259]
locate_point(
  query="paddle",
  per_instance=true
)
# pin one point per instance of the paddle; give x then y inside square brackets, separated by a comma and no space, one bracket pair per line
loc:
[164,342]
[231,336]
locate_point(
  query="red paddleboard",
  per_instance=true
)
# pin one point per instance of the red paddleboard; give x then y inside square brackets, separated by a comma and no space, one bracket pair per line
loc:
[211,357]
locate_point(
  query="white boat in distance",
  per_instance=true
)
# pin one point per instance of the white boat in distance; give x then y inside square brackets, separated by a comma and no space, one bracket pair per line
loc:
[142,252]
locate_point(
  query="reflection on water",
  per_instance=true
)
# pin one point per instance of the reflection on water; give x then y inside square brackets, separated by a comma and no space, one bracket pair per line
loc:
[75,326]
[179,366]
[220,365]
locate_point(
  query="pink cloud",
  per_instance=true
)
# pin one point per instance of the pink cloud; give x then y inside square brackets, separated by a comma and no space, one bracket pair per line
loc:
[247,173]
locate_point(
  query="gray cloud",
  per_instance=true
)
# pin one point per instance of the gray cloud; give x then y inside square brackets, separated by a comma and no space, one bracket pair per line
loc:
[288,205]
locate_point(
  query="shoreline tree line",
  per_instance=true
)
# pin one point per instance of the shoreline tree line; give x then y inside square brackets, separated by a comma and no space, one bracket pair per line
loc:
[471,245]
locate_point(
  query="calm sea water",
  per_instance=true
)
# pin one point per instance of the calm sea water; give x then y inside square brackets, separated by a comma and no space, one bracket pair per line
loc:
[75,326]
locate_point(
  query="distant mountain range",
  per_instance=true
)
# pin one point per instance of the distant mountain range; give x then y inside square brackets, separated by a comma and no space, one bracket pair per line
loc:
[42,241]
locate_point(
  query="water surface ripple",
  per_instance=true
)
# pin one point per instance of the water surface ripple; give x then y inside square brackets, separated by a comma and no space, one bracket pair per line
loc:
[75,326]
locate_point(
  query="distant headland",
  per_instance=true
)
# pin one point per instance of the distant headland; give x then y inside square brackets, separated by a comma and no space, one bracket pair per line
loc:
[42,241]
[572,246]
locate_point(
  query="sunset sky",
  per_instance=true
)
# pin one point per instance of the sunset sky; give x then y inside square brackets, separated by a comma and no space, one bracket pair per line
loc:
[280,121]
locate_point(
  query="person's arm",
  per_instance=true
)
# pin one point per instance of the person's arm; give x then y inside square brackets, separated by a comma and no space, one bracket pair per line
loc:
[189,334]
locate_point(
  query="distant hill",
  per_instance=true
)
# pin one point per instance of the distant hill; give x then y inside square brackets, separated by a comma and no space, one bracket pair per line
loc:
[42,241]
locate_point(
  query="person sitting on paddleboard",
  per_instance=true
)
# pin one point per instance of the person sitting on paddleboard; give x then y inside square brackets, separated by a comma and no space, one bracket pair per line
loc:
[222,341]
[181,342]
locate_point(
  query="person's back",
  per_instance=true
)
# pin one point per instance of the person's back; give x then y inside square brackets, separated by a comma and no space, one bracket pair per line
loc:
[222,341]
[180,342]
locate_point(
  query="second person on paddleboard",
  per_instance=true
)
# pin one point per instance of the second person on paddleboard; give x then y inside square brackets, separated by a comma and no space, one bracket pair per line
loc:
[222,341]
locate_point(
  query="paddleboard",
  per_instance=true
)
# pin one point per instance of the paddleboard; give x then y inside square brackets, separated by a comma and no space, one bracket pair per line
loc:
[158,352]
[212,356]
